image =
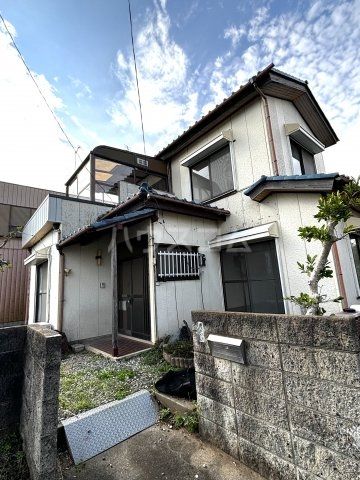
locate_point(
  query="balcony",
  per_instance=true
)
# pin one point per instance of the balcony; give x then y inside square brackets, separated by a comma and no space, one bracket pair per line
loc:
[110,175]
[69,213]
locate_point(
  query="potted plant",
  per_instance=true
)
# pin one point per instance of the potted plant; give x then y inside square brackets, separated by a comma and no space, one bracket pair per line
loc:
[179,353]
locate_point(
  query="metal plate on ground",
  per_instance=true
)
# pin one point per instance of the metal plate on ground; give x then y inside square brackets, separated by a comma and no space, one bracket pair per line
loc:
[92,432]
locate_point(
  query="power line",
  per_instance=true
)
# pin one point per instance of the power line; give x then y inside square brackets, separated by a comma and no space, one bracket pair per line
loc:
[37,85]
[136,77]
[47,104]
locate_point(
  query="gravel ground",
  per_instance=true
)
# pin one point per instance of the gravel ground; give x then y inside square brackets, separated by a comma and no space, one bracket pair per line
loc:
[94,380]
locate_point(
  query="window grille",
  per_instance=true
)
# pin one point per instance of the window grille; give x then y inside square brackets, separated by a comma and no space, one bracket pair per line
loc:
[179,264]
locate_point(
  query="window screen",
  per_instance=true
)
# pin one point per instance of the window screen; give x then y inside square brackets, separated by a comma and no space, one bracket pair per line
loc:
[213,176]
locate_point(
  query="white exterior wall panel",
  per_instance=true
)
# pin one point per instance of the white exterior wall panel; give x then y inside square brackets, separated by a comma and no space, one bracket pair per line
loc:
[87,307]
[176,299]
[283,112]
[296,211]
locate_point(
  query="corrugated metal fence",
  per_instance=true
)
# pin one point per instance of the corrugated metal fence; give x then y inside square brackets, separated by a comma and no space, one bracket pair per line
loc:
[13,285]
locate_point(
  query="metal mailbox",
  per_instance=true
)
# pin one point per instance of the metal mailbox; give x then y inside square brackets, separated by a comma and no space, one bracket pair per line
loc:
[227,347]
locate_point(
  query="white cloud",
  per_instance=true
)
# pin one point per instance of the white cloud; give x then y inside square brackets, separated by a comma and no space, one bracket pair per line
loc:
[320,45]
[169,99]
[235,34]
[33,150]
[82,89]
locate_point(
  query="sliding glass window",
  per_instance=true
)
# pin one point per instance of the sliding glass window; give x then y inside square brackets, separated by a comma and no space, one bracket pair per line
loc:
[212,177]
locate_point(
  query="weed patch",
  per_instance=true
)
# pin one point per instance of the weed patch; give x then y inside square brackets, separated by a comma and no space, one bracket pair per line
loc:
[83,390]
[12,459]
[189,421]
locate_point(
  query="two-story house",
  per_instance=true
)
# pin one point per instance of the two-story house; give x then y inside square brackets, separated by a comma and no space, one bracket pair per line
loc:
[211,222]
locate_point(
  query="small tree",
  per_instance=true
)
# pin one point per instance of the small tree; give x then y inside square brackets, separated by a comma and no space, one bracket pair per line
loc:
[334,210]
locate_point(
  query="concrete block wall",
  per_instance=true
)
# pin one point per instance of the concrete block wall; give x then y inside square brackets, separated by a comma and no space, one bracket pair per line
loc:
[39,412]
[30,359]
[12,342]
[293,410]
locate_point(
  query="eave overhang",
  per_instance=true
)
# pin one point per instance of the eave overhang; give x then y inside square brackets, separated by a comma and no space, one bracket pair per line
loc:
[273,83]
[315,183]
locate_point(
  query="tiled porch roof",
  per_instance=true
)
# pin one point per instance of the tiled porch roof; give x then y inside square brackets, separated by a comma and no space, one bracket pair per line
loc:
[148,198]
[101,225]
[317,182]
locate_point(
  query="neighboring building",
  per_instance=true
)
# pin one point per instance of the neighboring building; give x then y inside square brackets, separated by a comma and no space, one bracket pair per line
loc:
[213,226]
[17,204]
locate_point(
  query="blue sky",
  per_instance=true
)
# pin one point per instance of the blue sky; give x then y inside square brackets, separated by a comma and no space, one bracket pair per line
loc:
[191,54]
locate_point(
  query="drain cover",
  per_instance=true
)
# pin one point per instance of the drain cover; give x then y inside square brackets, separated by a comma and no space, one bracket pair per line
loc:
[92,432]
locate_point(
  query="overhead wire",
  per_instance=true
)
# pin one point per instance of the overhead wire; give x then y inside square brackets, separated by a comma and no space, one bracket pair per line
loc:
[47,103]
[136,77]
[36,84]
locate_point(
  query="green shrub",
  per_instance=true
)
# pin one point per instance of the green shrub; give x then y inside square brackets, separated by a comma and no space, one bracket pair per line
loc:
[180,348]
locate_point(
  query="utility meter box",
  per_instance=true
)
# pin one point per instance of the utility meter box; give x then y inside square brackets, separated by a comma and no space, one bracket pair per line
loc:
[227,347]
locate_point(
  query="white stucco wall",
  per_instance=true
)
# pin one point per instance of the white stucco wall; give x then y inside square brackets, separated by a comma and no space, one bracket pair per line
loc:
[282,112]
[176,299]
[87,307]
[295,211]
[73,215]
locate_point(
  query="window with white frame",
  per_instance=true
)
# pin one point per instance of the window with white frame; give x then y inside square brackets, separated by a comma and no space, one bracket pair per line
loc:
[177,262]
[212,177]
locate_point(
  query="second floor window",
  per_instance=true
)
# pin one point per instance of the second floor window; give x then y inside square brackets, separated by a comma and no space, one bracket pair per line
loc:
[212,177]
[302,161]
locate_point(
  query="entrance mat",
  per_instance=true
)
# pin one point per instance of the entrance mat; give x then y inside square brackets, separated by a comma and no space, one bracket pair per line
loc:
[92,432]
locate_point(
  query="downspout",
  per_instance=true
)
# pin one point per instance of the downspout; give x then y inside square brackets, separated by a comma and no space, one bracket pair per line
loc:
[169,175]
[274,162]
[339,275]
[152,283]
[60,315]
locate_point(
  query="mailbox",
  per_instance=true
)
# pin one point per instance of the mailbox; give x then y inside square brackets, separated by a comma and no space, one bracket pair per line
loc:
[227,347]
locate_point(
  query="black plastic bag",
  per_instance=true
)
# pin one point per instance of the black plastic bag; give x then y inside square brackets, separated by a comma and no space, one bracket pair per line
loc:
[179,384]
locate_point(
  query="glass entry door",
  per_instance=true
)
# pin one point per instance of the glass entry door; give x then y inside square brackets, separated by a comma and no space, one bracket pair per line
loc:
[133,298]
[41,291]
[251,280]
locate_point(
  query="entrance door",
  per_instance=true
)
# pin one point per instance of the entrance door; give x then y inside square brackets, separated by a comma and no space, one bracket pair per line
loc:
[251,280]
[133,298]
[41,291]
